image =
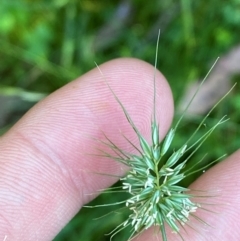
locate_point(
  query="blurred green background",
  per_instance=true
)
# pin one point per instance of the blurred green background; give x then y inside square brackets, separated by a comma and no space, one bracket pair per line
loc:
[46,44]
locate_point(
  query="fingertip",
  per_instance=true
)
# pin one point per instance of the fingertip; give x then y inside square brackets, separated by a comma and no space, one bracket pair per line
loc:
[52,140]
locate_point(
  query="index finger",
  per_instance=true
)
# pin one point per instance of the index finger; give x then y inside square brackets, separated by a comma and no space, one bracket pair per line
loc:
[44,161]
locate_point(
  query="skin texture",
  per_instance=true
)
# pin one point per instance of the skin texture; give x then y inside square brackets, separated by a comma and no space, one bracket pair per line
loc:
[46,160]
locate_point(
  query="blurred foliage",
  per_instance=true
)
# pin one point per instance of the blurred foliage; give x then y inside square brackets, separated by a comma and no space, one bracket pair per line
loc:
[46,44]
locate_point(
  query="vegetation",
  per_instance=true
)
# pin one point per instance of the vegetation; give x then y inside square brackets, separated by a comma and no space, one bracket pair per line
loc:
[46,44]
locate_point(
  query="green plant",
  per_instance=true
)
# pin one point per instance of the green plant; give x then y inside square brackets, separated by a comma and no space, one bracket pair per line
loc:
[46,44]
[154,182]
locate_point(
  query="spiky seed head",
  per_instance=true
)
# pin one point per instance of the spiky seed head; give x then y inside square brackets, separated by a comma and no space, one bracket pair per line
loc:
[153,182]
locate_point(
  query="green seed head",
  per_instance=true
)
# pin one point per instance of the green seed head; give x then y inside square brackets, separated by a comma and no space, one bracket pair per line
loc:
[156,196]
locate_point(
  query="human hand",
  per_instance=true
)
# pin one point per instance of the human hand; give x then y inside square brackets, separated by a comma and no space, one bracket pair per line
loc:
[45,166]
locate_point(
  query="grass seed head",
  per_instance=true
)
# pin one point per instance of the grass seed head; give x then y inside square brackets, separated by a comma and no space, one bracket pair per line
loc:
[156,196]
